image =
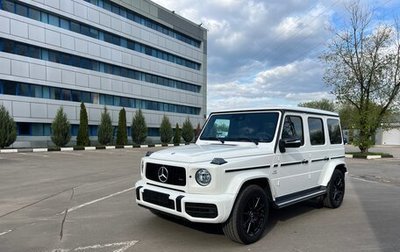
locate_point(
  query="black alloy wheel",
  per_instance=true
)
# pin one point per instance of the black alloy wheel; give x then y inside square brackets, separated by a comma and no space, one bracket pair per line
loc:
[249,216]
[335,190]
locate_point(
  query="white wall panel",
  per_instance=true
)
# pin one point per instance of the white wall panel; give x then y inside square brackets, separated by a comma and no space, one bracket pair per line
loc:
[116,24]
[36,33]
[81,45]
[94,114]
[106,84]
[37,71]
[38,110]
[80,10]
[94,82]
[19,28]
[5,24]
[67,42]
[21,109]
[20,68]
[105,20]
[53,74]
[53,38]
[5,65]
[82,80]
[93,15]
[53,3]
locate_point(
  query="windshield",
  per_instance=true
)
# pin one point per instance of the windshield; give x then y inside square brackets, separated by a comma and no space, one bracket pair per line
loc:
[250,127]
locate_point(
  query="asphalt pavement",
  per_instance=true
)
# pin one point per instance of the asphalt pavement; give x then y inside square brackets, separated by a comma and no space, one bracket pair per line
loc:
[96,187]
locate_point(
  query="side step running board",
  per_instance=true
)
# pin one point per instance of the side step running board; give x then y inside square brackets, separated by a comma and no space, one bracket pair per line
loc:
[294,198]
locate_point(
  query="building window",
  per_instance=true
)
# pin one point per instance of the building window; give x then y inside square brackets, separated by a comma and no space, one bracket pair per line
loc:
[23,9]
[31,90]
[37,129]
[24,129]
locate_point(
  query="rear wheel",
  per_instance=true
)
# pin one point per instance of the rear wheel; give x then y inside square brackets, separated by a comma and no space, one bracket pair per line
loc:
[335,190]
[249,216]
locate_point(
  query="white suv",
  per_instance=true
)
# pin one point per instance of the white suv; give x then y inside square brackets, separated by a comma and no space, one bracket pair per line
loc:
[245,162]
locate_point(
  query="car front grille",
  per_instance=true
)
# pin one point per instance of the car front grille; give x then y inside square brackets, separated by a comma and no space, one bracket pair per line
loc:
[175,175]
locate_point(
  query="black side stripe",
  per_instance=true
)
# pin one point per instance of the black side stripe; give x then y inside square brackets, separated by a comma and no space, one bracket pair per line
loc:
[292,163]
[319,160]
[338,157]
[248,168]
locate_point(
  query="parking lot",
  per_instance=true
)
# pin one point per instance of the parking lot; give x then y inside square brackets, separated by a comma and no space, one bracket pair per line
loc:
[96,187]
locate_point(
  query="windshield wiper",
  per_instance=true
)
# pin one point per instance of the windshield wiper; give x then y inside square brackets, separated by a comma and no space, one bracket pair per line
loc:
[253,140]
[221,140]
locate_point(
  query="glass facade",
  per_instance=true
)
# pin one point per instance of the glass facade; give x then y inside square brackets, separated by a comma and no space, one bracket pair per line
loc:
[84,29]
[44,129]
[135,17]
[55,93]
[14,47]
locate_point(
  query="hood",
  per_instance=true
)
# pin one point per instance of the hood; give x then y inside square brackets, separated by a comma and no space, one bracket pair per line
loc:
[204,153]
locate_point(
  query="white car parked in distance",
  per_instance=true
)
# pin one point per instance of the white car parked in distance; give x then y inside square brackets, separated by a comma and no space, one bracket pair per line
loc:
[245,162]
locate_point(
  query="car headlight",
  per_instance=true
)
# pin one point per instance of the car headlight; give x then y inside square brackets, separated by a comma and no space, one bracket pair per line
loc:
[203,177]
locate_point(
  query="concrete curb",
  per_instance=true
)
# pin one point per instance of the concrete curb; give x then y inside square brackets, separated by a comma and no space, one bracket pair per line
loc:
[86,148]
[369,157]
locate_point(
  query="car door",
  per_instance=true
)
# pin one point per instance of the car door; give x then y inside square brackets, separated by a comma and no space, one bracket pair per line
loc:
[290,173]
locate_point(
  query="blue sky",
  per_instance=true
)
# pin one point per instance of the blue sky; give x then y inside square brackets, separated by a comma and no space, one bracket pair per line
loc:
[265,52]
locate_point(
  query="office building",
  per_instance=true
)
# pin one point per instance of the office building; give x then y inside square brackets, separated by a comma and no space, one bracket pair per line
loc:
[115,53]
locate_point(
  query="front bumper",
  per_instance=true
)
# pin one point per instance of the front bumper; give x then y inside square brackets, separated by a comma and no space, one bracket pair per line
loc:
[193,207]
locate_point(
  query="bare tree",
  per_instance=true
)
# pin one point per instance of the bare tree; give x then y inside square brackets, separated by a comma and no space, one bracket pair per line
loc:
[363,64]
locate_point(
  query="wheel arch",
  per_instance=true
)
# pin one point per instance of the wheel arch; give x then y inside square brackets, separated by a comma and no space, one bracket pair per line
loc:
[328,170]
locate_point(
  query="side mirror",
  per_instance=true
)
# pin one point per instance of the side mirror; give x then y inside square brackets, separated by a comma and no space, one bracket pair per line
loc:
[293,142]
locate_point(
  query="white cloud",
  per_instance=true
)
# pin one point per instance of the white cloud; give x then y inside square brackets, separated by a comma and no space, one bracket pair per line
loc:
[265,52]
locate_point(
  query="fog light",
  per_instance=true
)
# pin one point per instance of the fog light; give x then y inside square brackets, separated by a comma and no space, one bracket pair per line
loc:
[203,177]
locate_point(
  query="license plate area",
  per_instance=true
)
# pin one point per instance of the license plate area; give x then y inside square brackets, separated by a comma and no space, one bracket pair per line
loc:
[157,198]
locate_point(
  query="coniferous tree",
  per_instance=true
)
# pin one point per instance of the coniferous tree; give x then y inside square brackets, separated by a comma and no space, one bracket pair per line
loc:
[8,129]
[166,132]
[139,128]
[177,135]
[198,131]
[83,133]
[122,137]
[61,129]
[187,131]
[105,131]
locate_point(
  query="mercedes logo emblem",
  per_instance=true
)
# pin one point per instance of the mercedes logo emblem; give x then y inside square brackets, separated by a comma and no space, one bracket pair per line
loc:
[163,174]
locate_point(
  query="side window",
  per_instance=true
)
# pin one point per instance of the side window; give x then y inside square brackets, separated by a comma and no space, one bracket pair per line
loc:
[335,135]
[316,129]
[293,127]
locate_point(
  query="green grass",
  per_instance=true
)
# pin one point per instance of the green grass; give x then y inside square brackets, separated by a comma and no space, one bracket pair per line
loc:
[364,155]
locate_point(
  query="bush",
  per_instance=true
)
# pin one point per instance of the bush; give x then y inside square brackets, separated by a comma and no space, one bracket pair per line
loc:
[122,136]
[166,132]
[83,133]
[105,131]
[60,129]
[187,131]
[177,135]
[139,128]
[8,129]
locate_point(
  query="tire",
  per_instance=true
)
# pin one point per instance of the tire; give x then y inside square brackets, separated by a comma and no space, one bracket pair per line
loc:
[249,216]
[335,190]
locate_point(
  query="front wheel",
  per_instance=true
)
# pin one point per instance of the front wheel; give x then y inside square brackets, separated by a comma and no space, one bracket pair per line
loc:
[249,216]
[335,190]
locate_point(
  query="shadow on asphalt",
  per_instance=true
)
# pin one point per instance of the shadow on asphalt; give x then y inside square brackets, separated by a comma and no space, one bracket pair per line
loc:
[275,216]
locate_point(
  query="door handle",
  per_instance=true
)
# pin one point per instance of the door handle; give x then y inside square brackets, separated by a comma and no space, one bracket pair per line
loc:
[304,161]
